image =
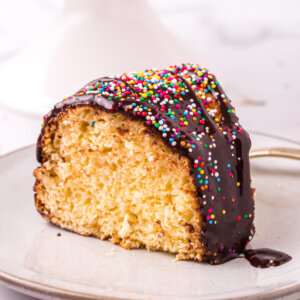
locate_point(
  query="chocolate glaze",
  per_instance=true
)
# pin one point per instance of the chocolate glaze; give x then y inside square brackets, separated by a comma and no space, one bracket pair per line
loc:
[226,206]
[265,258]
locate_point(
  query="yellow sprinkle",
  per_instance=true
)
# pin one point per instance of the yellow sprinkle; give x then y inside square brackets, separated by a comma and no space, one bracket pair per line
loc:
[212,216]
[238,184]
[201,172]
[223,211]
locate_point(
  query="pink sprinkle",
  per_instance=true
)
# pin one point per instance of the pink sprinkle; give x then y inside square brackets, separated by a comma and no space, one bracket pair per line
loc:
[207,217]
[177,105]
[213,170]
[177,129]
[149,122]
[210,210]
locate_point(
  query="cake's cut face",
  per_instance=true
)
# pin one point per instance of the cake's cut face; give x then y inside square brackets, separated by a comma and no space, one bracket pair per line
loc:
[108,176]
[155,159]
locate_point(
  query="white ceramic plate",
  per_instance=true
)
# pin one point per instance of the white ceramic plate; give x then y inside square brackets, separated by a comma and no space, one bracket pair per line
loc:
[38,262]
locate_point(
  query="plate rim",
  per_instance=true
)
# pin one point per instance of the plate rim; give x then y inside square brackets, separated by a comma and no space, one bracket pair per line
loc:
[33,288]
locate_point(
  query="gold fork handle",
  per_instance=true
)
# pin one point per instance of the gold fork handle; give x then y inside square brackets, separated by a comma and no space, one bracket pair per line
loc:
[278,152]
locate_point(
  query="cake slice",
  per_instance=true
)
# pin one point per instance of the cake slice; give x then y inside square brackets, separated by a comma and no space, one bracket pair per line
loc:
[153,159]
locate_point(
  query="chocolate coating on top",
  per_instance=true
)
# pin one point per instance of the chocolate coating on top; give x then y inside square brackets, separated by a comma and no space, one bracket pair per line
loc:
[187,108]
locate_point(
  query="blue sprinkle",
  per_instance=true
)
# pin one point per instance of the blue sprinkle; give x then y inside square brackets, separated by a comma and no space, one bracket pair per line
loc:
[171,140]
[233,132]
[228,166]
[172,117]
[185,113]
[205,181]
[210,221]
[182,93]
[164,130]
[198,176]
[193,146]
[206,90]
[133,104]
[218,179]
[92,124]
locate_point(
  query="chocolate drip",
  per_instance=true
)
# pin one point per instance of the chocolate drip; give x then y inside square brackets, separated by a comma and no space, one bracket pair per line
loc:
[265,258]
[215,147]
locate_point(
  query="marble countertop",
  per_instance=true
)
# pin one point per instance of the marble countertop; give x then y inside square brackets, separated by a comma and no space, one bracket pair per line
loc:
[252,46]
